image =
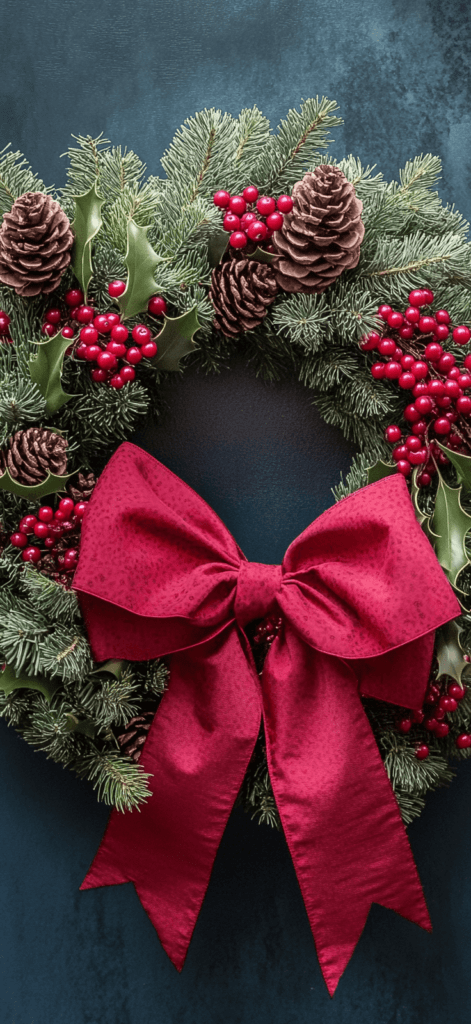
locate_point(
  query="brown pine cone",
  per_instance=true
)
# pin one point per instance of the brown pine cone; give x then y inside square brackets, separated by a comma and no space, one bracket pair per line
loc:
[321,237]
[35,244]
[32,454]
[134,736]
[83,487]
[241,292]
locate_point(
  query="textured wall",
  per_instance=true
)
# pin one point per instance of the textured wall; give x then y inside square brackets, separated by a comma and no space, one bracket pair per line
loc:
[261,456]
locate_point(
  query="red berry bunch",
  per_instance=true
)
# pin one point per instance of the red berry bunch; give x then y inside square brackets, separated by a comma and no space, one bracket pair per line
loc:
[51,539]
[267,630]
[437,706]
[5,328]
[250,217]
[413,356]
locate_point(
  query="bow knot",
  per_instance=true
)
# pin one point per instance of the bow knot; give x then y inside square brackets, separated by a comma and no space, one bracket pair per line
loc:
[257,587]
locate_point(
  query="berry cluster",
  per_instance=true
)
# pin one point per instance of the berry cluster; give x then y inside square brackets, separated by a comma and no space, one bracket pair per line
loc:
[410,343]
[436,708]
[55,536]
[4,327]
[250,217]
[112,359]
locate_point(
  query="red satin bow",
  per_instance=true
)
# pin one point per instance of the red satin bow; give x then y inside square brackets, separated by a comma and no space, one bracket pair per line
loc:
[360,593]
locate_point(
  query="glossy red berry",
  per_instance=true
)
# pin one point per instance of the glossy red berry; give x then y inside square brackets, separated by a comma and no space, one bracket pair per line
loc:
[384,311]
[45,514]
[91,353]
[102,324]
[116,288]
[238,239]
[419,428]
[442,426]
[66,505]
[410,414]
[412,314]
[393,433]
[441,730]
[127,373]
[442,316]
[99,376]
[463,741]
[403,466]
[423,404]
[433,351]
[406,381]
[404,725]
[119,332]
[266,205]
[406,331]
[275,221]
[257,231]
[80,508]
[393,370]
[89,335]
[378,370]
[401,452]
[428,295]
[149,350]
[436,388]
[421,388]
[387,346]
[418,716]
[419,369]
[80,351]
[246,219]
[70,558]
[284,204]
[67,332]
[237,205]
[461,335]
[250,194]
[456,691]
[157,306]
[106,361]
[464,380]
[454,373]
[424,479]
[31,554]
[117,382]
[19,540]
[426,324]
[134,355]
[430,723]
[49,330]
[395,320]
[53,316]
[452,388]
[27,524]
[441,332]
[41,530]
[221,198]
[418,458]
[422,751]
[413,443]
[231,222]
[369,341]
[85,314]
[118,348]
[113,318]
[417,298]
[74,297]
[141,334]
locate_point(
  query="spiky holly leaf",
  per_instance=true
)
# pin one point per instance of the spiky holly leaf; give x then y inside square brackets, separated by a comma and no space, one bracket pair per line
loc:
[86,225]
[51,485]
[46,371]
[176,340]
[380,470]
[141,261]
[217,245]
[449,652]
[462,464]
[261,256]
[114,665]
[9,681]
[450,524]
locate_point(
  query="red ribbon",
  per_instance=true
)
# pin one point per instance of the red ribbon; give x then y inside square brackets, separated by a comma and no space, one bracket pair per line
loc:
[360,593]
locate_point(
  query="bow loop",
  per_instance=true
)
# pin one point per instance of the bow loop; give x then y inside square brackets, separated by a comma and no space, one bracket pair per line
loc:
[257,587]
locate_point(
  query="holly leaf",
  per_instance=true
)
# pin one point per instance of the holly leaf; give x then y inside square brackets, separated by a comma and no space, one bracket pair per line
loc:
[462,464]
[261,256]
[115,666]
[449,652]
[141,261]
[380,470]
[9,681]
[51,485]
[46,371]
[86,726]
[86,225]
[217,245]
[176,340]
[450,523]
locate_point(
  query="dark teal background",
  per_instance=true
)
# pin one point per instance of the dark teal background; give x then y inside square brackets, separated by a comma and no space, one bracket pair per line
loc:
[401,74]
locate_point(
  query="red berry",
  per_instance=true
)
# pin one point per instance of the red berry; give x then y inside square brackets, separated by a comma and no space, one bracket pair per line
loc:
[422,751]
[378,370]
[53,316]
[418,458]
[412,314]
[419,369]
[246,219]
[19,540]
[275,221]
[85,314]
[237,205]
[231,222]
[91,353]
[59,516]
[70,558]
[118,348]
[448,704]
[443,402]
[446,362]
[419,428]
[406,332]
[49,330]
[106,361]
[384,311]
[395,320]
[66,505]
[404,725]
[430,723]
[418,716]
[456,691]
[464,380]
[89,335]
[442,729]
[406,381]
[74,297]
[119,332]
[127,373]
[134,355]
[426,324]
[454,373]
[436,388]
[31,554]
[454,441]
[284,204]
[80,508]
[149,350]
[417,298]
[27,524]
[116,288]
[266,205]
[102,324]
[424,479]
[221,199]
[41,530]
[403,466]
[117,382]
[413,443]
[433,351]
[442,426]
[369,341]
[441,332]
[157,306]
[250,194]
[387,347]
[452,388]
[238,240]
[45,514]
[410,414]
[67,332]
[428,295]
[257,231]
[99,376]
[393,370]
[400,453]
[442,316]
[141,334]
[423,404]
[463,741]
[421,388]
[392,433]
[113,318]
[461,335]
[4,323]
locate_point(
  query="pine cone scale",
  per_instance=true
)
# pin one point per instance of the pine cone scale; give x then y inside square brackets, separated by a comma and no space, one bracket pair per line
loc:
[35,244]
[32,454]
[241,292]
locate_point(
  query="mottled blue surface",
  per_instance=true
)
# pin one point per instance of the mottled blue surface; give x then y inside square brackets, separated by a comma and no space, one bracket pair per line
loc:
[261,457]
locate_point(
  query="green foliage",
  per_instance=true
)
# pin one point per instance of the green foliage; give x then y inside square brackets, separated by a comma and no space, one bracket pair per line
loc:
[16,178]
[176,340]
[141,262]
[86,225]
[46,372]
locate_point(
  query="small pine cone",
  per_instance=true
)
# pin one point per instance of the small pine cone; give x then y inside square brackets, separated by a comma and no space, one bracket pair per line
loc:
[321,237]
[32,454]
[47,565]
[134,736]
[83,487]
[241,292]
[35,244]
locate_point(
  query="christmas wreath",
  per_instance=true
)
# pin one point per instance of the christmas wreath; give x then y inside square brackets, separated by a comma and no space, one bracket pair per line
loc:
[311,268]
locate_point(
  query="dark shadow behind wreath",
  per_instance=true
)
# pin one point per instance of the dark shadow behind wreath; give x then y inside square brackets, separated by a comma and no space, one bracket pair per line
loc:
[253,248]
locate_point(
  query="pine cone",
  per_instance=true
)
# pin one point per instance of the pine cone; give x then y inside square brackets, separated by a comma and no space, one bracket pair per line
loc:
[82,489]
[35,244]
[32,454]
[321,237]
[134,736]
[241,292]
